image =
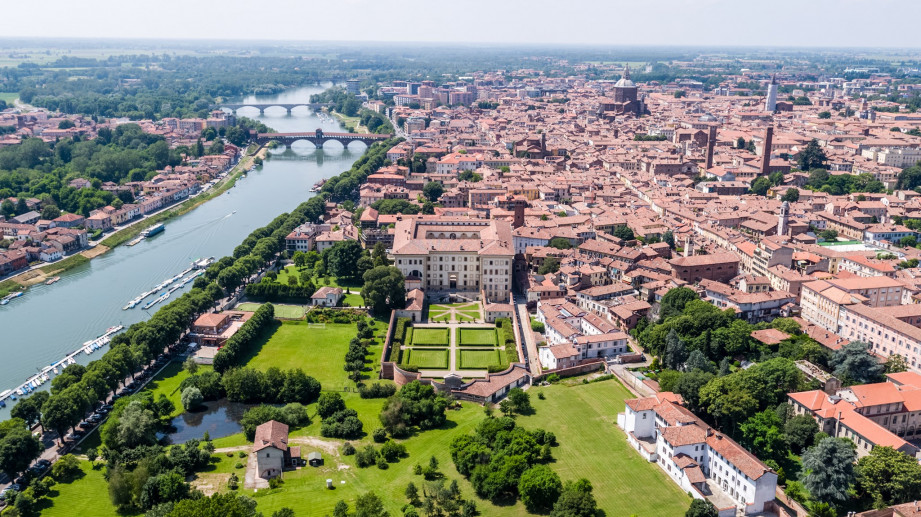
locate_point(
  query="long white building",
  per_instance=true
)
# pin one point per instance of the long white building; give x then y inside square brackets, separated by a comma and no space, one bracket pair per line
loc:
[702,461]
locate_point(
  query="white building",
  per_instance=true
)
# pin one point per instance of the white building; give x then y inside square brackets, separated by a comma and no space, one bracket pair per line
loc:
[702,461]
[575,335]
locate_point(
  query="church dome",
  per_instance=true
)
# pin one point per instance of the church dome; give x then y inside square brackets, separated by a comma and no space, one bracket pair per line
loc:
[625,81]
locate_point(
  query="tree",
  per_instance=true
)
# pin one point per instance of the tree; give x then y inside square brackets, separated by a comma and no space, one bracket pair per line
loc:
[761,185]
[812,156]
[679,94]
[791,195]
[550,265]
[698,361]
[384,289]
[539,488]
[762,435]
[623,232]
[560,243]
[701,508]
[824,114]
[889,476]
[30,409]
[896,363]
[909,241]
[329,403]
[342,259]
[800,431]
[370,505]
[379,255]
[66,468]
[218,505]
[828,235]
[51,212]
[433,190]
[415,405]
[853,363]
[676,351]
[300,259]
[829,467]
[412,494]
[576,500]
[17,449]
[191,398]
[520,400]
[673,302]
[669,238]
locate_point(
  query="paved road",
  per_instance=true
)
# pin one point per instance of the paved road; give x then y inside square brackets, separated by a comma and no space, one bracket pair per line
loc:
[530,352]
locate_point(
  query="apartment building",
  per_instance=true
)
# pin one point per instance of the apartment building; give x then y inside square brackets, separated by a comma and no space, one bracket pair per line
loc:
[702,461]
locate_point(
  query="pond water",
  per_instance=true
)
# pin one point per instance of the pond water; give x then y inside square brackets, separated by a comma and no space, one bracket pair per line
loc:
[219,418]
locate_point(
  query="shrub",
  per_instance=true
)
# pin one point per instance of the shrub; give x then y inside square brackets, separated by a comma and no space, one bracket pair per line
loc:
[191,398]
[379,435]
[378,390]
[393,451]
[241,454]
[348,449]
[238,465]
[382,463]
[65,469]
[234,482]
[366,457]
[275,483]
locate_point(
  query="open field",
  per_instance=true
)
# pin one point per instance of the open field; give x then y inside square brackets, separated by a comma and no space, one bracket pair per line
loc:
[9,97]
[477,337]
[320,352]
[582,416]
[430,337]
[478,359]
[288,312]
[426,358]
[87,495]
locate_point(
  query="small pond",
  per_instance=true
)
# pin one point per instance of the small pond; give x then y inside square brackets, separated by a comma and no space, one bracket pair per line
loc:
[219,418]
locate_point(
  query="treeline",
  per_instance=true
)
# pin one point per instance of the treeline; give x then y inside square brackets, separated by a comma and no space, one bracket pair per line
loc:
[273,386]
[268,290]
[237,346]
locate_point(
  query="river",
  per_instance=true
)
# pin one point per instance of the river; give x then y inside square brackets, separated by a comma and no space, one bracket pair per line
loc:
[49,322]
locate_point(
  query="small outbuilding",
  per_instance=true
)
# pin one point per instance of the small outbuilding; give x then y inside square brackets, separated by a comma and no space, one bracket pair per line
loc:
[315,459]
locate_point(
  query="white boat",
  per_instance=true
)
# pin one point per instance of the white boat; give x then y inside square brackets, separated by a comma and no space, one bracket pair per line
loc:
[70,360]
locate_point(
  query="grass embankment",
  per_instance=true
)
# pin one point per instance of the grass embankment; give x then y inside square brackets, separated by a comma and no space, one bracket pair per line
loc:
[582,416]
[353,124]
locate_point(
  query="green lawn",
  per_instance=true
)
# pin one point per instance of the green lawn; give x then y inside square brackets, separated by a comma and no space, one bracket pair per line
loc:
[88,495]
[320,352]
[9,97]
[426,358]
[582,416]
[430,337]
[477,337]
[288,312]
[167,383]
[479,359]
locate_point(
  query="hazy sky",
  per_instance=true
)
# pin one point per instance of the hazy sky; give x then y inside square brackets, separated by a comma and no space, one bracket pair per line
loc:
[864,23]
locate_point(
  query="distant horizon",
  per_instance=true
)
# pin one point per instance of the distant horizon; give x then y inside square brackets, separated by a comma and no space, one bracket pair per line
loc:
[874,24]
[450,44]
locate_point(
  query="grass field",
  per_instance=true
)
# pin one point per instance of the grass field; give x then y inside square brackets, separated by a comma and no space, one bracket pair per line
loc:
[352,298]
[9,97]
[427,359]
[582,416]
[479,359]
[289,312]
[167,383]
[88,495]
[477,337]
[430,337]
[320,352]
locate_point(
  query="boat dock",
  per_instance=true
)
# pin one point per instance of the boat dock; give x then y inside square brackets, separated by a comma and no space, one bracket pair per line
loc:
[35,381]
[200,265]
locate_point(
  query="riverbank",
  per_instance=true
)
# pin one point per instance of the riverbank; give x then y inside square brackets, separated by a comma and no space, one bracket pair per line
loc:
[41,274]
[353,124]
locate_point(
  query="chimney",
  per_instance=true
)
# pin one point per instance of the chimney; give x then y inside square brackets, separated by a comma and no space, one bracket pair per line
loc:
[766,154]
[711,142]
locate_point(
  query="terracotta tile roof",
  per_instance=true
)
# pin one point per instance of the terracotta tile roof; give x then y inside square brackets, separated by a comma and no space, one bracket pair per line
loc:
[271,434]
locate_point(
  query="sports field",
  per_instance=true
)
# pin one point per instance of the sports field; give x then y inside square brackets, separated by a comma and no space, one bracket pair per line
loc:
[430,337]
[477,337]
[287,312]
[427,359]
[479,359]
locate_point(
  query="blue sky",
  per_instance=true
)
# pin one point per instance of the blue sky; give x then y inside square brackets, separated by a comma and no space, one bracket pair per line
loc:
[855,23]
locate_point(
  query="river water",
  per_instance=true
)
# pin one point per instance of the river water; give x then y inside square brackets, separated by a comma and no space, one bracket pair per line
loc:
[49,322]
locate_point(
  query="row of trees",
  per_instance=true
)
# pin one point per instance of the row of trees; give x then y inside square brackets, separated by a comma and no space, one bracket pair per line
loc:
[237,346]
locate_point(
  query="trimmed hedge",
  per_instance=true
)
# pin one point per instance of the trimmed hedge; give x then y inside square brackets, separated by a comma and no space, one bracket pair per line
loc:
[232,351]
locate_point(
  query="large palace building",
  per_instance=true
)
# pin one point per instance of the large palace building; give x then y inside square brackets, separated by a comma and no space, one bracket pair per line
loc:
[455,254]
